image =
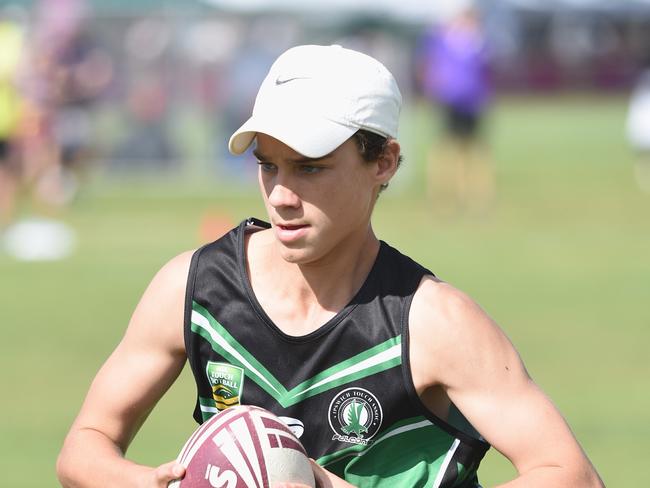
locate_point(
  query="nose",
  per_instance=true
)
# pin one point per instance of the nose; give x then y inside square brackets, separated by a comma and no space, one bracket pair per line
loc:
[282,195]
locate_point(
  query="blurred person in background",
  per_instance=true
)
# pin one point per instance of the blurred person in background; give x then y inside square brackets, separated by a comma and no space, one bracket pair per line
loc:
[247,69]
[63,71]
[452,71]
[147,143]
[83,71]
[71,70]
[12,46]
[23,135]
[638,127]
[398,378]
[146,139]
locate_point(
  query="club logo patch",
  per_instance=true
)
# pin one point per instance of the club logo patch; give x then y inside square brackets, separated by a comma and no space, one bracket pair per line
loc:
[355,416]
[227,382]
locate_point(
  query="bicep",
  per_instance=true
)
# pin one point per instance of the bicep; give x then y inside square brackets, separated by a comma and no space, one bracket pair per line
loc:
[145,363]
[514,415]
[125,390]
[477,366]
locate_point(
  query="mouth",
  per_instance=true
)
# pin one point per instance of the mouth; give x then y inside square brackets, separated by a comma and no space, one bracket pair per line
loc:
[290,227]
[287,233]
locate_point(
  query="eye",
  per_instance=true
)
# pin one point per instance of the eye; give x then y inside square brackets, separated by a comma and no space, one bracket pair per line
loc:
[266,167]
[310,169]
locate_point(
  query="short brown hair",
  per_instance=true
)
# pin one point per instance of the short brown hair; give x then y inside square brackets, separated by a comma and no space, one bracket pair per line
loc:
[371,147]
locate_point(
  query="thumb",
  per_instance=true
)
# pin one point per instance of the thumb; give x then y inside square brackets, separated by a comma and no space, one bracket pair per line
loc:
[170,471]
[290,485]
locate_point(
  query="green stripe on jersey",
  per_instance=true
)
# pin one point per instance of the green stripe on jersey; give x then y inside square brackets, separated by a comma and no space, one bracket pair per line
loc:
[424,454]
[379,358]
[204,324]
[207,407]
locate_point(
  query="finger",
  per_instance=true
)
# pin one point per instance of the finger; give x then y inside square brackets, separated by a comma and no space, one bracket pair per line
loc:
[319,475]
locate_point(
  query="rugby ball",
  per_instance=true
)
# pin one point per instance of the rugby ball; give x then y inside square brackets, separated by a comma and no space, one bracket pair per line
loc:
[243,447]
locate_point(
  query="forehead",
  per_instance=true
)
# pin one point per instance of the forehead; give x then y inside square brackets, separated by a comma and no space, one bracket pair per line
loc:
[270,149]
[270,146]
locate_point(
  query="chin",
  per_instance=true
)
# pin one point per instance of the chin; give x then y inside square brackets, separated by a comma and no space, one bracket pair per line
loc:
[296,255]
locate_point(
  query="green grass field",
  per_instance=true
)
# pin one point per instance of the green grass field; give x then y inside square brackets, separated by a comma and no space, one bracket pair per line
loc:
[562,263]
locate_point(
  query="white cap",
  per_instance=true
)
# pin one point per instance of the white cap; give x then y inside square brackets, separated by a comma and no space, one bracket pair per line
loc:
[316,97]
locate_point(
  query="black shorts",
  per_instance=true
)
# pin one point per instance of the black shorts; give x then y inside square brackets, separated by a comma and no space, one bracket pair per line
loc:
[5,149]
[461,123]
[8,160]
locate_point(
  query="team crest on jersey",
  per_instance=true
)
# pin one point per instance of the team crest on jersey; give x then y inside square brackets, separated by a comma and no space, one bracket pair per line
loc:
[227,382]
[355,416]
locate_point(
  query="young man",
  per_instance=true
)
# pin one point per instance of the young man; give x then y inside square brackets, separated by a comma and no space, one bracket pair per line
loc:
[390,373]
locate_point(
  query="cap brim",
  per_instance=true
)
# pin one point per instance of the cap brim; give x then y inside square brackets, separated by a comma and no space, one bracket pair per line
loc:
[313,138]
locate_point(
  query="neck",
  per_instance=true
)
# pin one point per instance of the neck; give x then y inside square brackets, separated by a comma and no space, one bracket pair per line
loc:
[337,276]
[309,293]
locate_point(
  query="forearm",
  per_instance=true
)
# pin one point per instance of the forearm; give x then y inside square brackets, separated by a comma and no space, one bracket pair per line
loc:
[90,459]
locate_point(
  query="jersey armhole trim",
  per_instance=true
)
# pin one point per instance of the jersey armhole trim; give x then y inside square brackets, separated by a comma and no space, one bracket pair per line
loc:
[187,329]
[412,393]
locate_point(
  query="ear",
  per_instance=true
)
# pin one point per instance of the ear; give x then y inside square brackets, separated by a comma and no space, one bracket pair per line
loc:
[388,162]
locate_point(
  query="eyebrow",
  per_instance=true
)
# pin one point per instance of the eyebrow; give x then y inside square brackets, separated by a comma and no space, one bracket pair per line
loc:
[298,160]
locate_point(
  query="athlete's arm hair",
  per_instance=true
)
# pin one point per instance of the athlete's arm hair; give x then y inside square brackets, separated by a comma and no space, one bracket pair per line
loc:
[371,147]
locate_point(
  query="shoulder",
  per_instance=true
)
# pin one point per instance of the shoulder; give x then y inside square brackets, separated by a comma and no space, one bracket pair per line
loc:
[227,246]
[175,271]
[180,262]
[452,336]
[163,300]
[440,306]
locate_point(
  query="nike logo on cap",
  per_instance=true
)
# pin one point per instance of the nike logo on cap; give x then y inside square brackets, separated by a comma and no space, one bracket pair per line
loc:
[281,81]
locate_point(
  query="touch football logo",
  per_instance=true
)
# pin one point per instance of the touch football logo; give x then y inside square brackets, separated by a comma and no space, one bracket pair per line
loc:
[227,382]
[355,416]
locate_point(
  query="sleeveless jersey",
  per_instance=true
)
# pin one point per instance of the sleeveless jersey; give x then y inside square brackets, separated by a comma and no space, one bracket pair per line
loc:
[345,389]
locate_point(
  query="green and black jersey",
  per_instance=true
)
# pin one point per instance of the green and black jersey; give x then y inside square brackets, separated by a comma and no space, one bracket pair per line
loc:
[345,389]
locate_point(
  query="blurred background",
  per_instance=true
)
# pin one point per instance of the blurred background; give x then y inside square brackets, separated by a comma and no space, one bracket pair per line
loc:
[526,182]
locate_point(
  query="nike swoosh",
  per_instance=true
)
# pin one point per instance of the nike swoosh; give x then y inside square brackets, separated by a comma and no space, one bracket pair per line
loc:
[295,425]
[282,81]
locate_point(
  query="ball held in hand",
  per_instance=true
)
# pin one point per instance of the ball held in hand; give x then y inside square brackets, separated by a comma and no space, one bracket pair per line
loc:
[243,447]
